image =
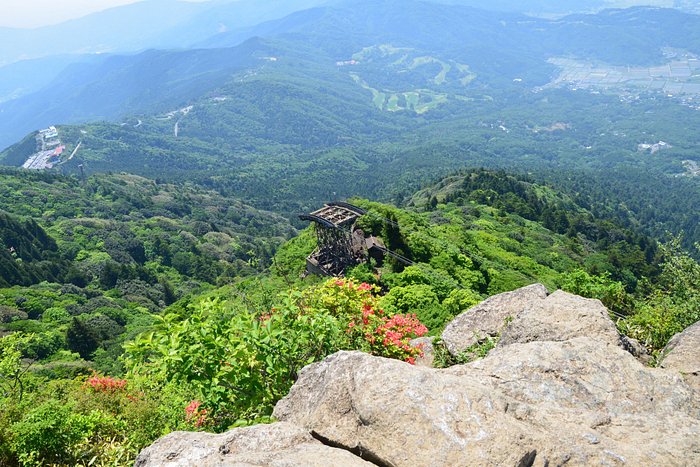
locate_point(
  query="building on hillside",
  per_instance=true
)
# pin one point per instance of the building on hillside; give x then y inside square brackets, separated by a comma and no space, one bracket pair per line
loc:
[49,133]
[341,244]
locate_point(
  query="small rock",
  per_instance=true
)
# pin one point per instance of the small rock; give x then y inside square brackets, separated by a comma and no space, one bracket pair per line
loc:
[634,347]
[488,318]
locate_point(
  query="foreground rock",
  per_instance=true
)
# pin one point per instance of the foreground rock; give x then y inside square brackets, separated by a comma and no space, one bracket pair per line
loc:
[682,354]
[279,444]
[560,317]
[559,388]
[488,318]
[554,402]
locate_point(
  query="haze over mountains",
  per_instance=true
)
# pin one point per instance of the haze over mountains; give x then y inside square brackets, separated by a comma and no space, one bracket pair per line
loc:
[497,46]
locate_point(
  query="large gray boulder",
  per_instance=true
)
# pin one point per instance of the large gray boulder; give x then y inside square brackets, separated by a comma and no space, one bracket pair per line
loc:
[580,402]
[682,354]
[278,444]
[488,318]
[559,388]
[560,317]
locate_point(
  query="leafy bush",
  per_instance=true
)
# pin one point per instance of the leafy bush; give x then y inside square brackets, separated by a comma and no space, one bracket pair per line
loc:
[602,287]
[50,433]
[672,306]
[239,363]
[55,315]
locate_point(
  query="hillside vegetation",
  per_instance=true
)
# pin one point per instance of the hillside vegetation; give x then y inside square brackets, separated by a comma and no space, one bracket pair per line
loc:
[152,279]
[286,121]
[220,357]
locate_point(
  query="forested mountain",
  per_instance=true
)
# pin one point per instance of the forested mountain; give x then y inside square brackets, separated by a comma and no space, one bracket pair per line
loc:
[135,246]
[98,257]
[112,231]
[475,49]
[337,104]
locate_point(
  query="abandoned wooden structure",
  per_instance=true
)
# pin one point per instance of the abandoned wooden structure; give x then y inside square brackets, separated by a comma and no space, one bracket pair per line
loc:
[340,243]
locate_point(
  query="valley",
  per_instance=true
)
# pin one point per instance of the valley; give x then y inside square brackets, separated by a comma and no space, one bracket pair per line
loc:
[679,79]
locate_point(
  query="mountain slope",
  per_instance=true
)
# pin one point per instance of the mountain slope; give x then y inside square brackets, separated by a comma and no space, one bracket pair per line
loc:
[489,49]
[125,85]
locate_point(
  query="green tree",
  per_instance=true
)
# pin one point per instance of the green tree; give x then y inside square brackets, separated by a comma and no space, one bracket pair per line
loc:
[81,338]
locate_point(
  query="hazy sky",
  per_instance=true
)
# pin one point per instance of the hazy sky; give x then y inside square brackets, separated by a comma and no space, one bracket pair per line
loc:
[33,13]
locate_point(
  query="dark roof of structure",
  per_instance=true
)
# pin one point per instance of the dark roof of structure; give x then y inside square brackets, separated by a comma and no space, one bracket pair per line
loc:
[334,215]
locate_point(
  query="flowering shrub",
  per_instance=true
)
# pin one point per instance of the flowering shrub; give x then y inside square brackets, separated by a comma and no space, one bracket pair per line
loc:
[106,384]
[239,363]
[396,333]
[195,415]
[341,297]
[368,326]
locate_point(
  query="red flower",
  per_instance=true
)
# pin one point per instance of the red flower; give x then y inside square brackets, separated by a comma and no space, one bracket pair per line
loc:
[105,384]
[195,415]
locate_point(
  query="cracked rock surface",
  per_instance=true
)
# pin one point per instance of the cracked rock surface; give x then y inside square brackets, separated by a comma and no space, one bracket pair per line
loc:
[488,318]
[277,445]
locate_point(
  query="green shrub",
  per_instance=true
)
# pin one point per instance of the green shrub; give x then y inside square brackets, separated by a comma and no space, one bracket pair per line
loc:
[602,287]
[55,315]
[239,363]
[50,433]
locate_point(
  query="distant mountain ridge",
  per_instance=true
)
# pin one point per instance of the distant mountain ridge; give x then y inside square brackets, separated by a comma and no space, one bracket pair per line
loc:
[142,25]
[498,47]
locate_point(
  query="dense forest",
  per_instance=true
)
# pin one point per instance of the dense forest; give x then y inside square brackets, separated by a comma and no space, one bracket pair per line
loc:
[163,307]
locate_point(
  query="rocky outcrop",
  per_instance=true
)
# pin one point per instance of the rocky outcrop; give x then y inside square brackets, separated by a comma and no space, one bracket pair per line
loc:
[576,401]
[488,318]
[560,388]
[560,317]
[279,444]
[682,354]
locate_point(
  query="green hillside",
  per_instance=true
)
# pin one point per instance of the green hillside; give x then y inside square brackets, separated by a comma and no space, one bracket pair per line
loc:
[27,253]
[289,121]
[116,248]
[193,318]
[152,258]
